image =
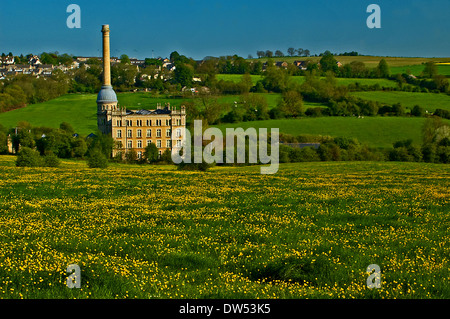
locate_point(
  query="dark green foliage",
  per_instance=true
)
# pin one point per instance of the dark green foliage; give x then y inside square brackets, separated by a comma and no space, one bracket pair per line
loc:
[443,154]
[417,111]
[131,157]
[405,151]
[151,153]
[28,157]
[51,160]
[166,157]
[329,63]
[97,159]
[442,113]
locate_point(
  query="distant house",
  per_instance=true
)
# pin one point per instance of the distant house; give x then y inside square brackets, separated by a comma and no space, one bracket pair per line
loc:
[169,66]
[139,63]
[281,64]
[302,65]
[339,64]
[8,60]
[34,60]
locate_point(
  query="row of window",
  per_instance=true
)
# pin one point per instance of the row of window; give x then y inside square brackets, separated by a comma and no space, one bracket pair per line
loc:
[168,122]
[149,133]
[139,143]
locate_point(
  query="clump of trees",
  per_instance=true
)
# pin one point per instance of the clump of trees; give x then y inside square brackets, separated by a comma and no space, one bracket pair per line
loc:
[44,146]
[328,149]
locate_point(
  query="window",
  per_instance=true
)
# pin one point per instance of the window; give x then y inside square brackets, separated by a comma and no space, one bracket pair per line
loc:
[168,143]
[167,122]
[178,143]
[149,122]
[139,133]
[168,132]
[149,142]
[158,122]
[129,133]
[119,133]
[139,123]
[158,132]
[139,155]
[149,133]
[130,144]
[178,122]
[119,123]
[129,123]
[139,144]
[178,132]
[158,143]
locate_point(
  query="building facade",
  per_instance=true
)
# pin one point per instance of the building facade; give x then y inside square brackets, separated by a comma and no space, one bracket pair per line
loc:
[135,129]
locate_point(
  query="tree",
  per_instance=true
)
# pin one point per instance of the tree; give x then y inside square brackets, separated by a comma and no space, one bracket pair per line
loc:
[124,59]
[291,51]
[300,51]
[269,54]
[276,79]
[174,56]
[329,63]
[306,53]
[417,111]
[430,70]
[260,54]
[183,74]
[123,76]
[151,153]
[279,54]
[382,69]
[291,104]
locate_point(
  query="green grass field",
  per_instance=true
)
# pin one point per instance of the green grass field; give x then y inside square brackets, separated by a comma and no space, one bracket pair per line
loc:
[370,61]
[418,69]
[309,231]
[300,79]
[428,101]
[80,111]
[375,131]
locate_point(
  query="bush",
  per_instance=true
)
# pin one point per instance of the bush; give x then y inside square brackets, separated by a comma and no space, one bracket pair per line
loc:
[429,152]
[51,160]
[97,160]
[131,157]
[443,154]
[28,157]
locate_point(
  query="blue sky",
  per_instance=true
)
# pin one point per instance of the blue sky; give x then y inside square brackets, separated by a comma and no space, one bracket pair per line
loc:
[198,28]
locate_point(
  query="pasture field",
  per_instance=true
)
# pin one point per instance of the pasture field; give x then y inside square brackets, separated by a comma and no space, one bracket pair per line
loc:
[428,101]
[370,61]
[379,132]
[309,231]
[300,79]
[417,70]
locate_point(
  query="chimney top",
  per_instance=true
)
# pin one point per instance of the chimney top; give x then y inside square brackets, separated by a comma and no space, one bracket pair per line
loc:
[105,28]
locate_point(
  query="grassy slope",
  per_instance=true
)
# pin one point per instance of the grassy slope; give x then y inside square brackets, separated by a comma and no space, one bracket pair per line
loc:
[376,131]
[370,61]
[429,101]
[79,110]
[300,79]
[309,231]
[418,69]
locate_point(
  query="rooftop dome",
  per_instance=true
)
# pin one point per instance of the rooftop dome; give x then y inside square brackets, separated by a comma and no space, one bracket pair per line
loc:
[107,95]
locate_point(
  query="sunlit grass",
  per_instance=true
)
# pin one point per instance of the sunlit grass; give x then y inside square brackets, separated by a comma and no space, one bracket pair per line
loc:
[308,231]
